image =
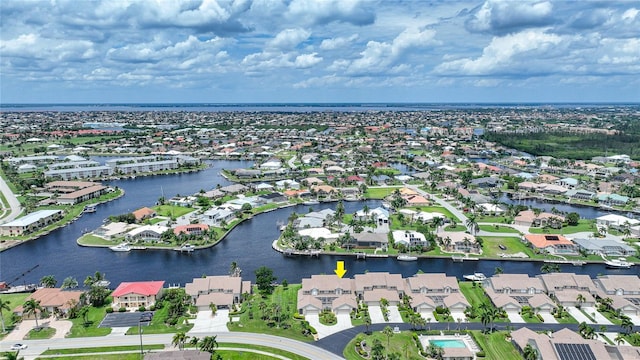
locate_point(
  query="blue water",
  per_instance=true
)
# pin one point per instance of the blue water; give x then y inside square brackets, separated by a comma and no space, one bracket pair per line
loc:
[448,343]
[249,244]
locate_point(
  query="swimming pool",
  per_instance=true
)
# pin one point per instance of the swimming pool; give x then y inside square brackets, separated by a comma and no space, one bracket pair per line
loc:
[448,343]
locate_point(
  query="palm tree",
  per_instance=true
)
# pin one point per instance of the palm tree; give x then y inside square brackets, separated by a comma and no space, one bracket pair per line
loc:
[32,307]
[580,299]
[69,283]
[472,224]
[208,344]
[48,281]
[388,332]
[626,324]
[367,323]
[619,339]
[179,339]
[92,280]
[213,308]
[4,305]
[530,353]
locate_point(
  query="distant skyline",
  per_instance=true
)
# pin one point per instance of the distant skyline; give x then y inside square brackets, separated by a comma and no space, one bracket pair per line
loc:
[322,51]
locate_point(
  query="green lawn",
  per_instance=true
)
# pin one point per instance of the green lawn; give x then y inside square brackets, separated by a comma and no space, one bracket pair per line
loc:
[88,239]
[458,227]
[89,350]
[15,300]
[496,346]
[95,316]
[474,294]
[491,246]
[123,356]
[402,344]
[379,193]
[584,225]
[172,211]
[499,229]
[158,326]
[251,316]
[39,334]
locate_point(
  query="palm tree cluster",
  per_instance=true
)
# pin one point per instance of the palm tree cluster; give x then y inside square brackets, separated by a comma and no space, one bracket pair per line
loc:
[207,344]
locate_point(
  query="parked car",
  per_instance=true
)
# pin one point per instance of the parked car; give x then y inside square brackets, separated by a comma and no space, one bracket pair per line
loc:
[18,346]
[502,247]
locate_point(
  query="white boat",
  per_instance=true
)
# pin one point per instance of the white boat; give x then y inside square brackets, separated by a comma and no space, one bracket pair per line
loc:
[477,276]
[620,263]
[89,208]
[311,202]
[186,248]
[406,257]
[124,247]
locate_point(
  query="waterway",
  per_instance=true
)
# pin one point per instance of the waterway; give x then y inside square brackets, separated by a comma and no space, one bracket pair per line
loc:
[249,244]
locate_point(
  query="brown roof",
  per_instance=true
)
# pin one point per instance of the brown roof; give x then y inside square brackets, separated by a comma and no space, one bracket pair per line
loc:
[54,297]
[143,213]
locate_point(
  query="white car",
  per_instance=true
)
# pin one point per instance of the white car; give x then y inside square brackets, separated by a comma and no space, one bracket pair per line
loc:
[18,346]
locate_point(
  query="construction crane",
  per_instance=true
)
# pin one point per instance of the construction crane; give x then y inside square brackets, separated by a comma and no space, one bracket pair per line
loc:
[22,275]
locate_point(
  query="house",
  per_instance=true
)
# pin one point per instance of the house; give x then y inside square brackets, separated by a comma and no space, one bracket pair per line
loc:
[409,238]
[569,183]
[485,182]
[379,215]
[217,216]
[114,230]
[623,290]
[144,213]
[222,291]
[605,247]
[370,240]
[273,197]
[428,291]
[612,199]
[31,222]
[614,221]
[530,219]
[191,229]
[133,295]
[513,291]
[566,344]
[55,300]
[146,233]
[326,292]
[553,244]
[570,289]
[374,286]
[458,242]
[580,194]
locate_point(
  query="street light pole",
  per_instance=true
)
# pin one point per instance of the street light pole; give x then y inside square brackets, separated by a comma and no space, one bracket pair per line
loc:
[140,333]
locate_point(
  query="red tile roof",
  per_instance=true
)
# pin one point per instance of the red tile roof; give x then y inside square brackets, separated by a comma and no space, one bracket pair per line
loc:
[142,288]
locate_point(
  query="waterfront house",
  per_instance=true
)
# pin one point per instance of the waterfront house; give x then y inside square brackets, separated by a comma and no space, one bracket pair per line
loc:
[453,241]
[428,291]
[370,240]
[513,291]
[569,183]
[114,230]
[378,215]
[222,291]
[217,216]
[623,290]
[374,286]
[528,218]
[30,223]
[55,300]
[133,295]
[606,247]
[190,229]
[151,233]
[409,238]
[326,292]
[144,214]
[580,194]
[617,222]
[551,243]
[568,288]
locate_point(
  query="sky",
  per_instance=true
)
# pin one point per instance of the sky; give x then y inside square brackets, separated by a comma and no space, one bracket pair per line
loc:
[318,51]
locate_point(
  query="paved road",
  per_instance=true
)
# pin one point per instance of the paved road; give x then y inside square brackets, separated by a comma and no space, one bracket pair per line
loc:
[14,204]
[308,350]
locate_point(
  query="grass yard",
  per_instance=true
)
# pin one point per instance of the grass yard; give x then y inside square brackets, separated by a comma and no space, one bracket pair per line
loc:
[491,246]
[88,239]
[475,294]
[158,326]
[89,350]
[172,211]
[458,228]
[39,334]
[122,356]
[496,346]
[95,316]
[499,229]
[402,344]
[379,193]
[251,318]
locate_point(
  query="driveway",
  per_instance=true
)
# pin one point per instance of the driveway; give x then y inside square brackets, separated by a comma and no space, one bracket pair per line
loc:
[514,317]
[376,314]
[205,323]
[578,315]
[394,315]
[19,332]
[548,318]
[600,319]
[458,315]
[344,323]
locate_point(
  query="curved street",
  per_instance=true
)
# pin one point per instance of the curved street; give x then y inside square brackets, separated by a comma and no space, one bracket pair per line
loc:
[14,205]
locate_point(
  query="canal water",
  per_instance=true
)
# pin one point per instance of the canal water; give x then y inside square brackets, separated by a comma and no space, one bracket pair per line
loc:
[249,244]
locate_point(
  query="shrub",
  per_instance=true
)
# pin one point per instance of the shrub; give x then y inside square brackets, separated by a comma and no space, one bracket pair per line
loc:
[298,316]
[313,330]
[540,317]
[108,310]
[152,308]
[122,309]
[142,308]
[480,354]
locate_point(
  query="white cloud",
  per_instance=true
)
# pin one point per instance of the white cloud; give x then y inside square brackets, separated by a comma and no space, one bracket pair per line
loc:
[356,12]
[337,42]
[499,56]
[288,39]
[507,16]
[307,60]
